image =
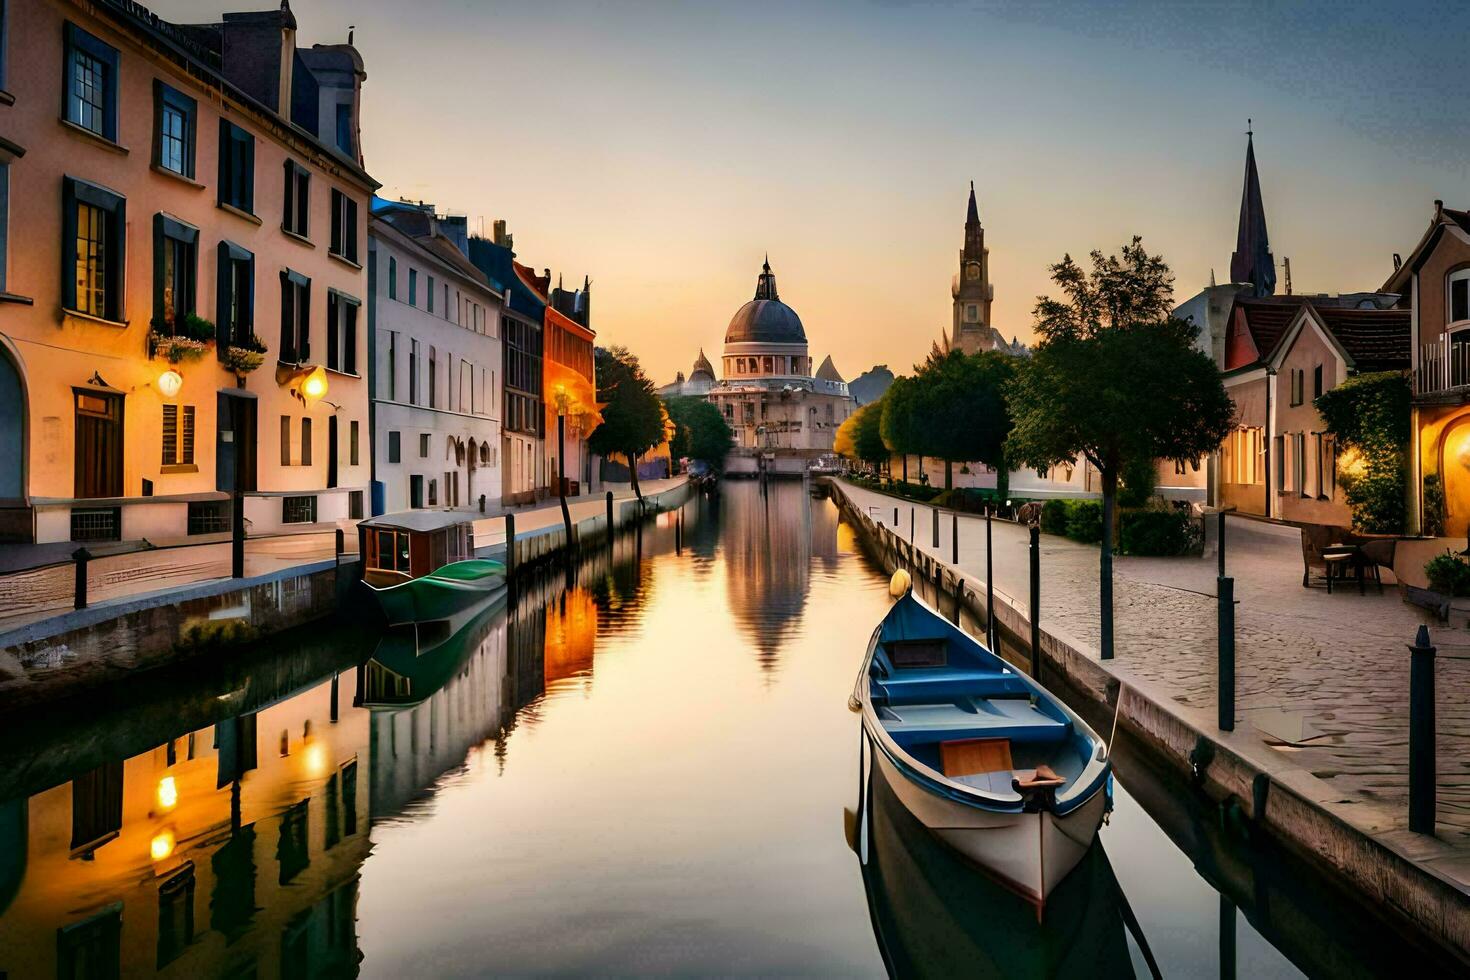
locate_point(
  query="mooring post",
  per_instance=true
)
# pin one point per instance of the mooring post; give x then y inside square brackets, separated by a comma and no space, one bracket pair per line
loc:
[959,597]
[990,631]
[1036,603]
[936,530]
[1421,734]
[895,516]
[609,516]
[81,556]
[1227,938]
[1225,589]
[954,543]
[1220,544]
[911,527]
[679,532]
[340,546]
[510,544]
[237,535]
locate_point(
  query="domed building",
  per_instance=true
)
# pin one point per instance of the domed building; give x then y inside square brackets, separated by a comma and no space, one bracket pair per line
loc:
[701,379]
[769,394]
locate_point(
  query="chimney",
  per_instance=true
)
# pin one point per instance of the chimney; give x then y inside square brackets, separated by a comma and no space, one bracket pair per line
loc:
[1398,260]
[1438,209]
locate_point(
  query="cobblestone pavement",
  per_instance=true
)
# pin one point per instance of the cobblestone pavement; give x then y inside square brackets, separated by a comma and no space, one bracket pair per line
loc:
[1338,661]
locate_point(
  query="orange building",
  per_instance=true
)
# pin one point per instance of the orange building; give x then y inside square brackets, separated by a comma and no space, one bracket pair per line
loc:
[180,285]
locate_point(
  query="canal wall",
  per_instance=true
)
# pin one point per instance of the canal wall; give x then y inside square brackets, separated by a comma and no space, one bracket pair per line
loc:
[1361,851]
[82,650]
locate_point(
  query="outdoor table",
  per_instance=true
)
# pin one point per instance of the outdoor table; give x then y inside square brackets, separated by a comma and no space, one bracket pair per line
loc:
[1338,556]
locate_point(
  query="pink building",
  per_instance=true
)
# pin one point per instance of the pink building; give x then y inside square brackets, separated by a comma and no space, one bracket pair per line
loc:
[180,307]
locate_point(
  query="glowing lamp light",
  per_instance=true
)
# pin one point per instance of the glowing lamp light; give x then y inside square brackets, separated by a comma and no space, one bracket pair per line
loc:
[168,793]
[316,759]
[162,845]
[314,386]
[169,383]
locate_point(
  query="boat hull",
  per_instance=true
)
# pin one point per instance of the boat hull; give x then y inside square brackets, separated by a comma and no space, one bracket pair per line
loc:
[1029,853]
[422,599]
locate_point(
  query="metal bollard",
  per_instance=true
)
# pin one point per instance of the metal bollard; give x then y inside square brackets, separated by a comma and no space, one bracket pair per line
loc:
[990,630]
[936,530]
[911,526]
[1422,789]
[482,503]
[510,543]
[895,516]
[1225,589]
[81,556]
[1220,544]
[341,544]
[1036,603]
[954,528]
[237,535]
[610,526]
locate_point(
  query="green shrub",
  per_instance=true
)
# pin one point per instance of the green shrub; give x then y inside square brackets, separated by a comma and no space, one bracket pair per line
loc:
[1370,416]
[1140,477]
[1433,505]
[1084,521]
[1054,517]
[1158,532]
[1448,574]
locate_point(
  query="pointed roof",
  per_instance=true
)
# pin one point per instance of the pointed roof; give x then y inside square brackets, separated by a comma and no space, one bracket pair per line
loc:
[1252,261]
[972,216]
[765,283]
[702,364]
[828,370]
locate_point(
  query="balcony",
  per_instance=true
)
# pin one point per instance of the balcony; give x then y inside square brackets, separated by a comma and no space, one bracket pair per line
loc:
[1444,368]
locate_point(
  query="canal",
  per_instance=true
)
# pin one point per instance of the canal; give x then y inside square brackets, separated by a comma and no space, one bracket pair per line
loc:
[644,765]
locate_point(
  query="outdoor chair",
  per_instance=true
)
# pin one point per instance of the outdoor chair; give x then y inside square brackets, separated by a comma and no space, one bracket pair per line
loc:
[1376,554]
[1316,539]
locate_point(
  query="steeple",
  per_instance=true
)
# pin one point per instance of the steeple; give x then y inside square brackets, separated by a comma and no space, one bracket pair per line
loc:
[1252,261]
[765,285]
[972,217]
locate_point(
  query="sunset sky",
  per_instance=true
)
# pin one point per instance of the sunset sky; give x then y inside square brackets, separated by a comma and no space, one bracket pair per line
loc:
[664,148]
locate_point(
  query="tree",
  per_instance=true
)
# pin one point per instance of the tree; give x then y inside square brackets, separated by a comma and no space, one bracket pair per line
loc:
[901,426]
[1116,378]
[1370,416]
[860,436]
[701,432]
[633,419]
[966,414]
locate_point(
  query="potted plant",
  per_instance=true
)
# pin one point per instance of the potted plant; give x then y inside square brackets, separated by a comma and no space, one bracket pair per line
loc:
[244,356]
[190,338]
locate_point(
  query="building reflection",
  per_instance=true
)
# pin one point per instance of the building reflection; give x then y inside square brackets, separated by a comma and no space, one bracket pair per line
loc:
[767,539]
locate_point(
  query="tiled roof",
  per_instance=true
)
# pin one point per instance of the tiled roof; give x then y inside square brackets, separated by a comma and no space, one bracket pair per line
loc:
[1377,340]
[1267,319]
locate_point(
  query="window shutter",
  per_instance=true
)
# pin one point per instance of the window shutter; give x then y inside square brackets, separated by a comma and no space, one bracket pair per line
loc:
[224,332]
[186,436]
[351,209]
[332,351]
[349,338]
[288,319]
[304,340]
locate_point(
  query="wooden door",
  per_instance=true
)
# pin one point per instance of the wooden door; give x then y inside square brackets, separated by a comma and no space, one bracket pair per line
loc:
[331,451]
[99,444]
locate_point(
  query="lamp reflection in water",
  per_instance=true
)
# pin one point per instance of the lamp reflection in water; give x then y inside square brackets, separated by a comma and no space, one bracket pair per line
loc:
[162,845]
[168,793]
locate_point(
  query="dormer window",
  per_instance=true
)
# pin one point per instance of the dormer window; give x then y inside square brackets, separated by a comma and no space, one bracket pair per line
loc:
[1459,308]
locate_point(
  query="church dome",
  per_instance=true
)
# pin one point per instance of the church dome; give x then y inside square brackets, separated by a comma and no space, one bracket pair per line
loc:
[765,319]
[702,366]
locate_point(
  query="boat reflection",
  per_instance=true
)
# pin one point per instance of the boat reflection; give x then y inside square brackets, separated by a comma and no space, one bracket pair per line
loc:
[936,915]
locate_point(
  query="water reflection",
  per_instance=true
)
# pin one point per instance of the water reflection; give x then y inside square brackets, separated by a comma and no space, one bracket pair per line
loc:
[935,915]
[766,535]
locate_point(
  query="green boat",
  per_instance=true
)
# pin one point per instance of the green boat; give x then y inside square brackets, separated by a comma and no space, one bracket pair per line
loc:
[420,565]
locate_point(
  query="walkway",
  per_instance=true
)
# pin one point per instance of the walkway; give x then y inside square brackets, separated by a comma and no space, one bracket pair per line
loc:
[1336,664]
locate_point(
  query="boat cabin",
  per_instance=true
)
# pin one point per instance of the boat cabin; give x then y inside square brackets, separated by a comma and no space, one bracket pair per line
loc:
[398,547]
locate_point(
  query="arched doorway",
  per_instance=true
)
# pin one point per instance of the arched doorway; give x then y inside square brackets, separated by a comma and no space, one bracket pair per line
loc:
[1454,467]
[12,429]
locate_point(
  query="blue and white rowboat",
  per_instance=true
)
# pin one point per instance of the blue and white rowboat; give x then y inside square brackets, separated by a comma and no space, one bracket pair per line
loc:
[987,759]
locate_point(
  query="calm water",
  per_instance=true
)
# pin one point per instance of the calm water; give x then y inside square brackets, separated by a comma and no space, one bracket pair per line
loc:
[642,767]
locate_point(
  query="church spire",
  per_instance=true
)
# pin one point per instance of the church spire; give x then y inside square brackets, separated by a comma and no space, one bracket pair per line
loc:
[972,217]
[1252,261]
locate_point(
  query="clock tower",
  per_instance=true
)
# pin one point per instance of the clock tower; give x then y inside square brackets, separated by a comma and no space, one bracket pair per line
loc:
[972,291]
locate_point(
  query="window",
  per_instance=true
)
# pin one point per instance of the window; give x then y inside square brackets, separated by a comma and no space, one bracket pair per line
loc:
[285,440]
[433,377]
[92,947]
[236,167]
[1296,380]
[175,916]
[94,220]
[178,435]
[413,287]
[392,277]
[208,517]
[295,318]
[433,493]
[394,448]
[344,226]
[344,127]
[90,83]
[175,270]
[354,500]
[1280,448]
[423,445]
[430,295]
[295,216]
[413,372]
[235,303]
[306,442]
[298,510]
[1460,296]
[972,313]
[392,365]
[175,114]
[1317,381]
[1299,450]
[415,491]
[341,332]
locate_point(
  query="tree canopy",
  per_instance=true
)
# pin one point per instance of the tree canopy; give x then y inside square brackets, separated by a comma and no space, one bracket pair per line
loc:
[633,419]
[860,435]
[954,408]
[701,432]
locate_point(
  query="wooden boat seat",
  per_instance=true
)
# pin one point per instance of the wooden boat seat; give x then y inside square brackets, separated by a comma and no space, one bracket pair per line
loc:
[965,757]
[1016,720]
[941,685]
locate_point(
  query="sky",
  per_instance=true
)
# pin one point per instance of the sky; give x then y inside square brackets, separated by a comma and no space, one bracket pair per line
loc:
[664,148]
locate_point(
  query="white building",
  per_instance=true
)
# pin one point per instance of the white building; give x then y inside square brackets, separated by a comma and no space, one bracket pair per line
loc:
[437,357]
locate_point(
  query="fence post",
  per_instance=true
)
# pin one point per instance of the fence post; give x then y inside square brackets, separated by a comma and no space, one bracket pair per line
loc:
[1220,544]
[81,556]
[1036,603]
[936,531]
[340,545]
[1421,734]
[1225,589]
[610,527]
[510,544]
[237,535]
[990,631]
[895,517]
[954,528]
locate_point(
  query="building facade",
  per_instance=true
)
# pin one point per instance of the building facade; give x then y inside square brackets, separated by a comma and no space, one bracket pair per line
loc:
[437,366]
[570,384]
[182,279]
[972,293]
[769,394]
[1433,286]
